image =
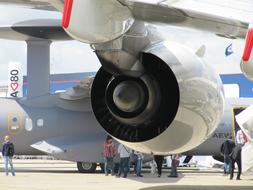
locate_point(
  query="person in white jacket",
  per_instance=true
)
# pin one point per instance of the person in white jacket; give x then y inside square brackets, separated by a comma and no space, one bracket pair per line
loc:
[240,137]
[124,153]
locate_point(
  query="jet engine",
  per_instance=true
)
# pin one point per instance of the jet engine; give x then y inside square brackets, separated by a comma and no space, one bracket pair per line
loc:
[172,107]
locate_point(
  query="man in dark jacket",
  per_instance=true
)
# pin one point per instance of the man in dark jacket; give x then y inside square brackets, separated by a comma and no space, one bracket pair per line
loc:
[8,152]
[159,162]
[236,157]
[226,149]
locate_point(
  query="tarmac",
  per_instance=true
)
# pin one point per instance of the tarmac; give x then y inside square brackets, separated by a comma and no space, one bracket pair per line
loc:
[63,175]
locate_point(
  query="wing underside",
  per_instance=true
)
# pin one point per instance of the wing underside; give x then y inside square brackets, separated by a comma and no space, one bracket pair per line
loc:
[51,5]
[227,18]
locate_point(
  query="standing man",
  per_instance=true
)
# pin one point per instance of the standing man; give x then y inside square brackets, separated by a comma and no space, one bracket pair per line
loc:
[226,149]
[124,154]
[109,152]
[138,163]
[174,164]
[159,162]
[8,152]
[236,157]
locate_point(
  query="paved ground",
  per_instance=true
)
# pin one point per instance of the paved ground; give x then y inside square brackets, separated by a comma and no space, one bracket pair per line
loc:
[61,175]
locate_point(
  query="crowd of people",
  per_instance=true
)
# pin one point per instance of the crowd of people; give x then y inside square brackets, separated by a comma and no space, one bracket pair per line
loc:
[128,157]
[230,150]
[109,152]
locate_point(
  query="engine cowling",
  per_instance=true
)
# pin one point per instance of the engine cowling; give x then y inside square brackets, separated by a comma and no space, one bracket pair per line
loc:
[173,107]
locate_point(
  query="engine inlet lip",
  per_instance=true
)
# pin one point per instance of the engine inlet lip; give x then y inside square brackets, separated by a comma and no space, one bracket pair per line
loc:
[110,102]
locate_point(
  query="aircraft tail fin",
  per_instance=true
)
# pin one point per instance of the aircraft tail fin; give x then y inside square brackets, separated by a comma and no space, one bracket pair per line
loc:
[187,159]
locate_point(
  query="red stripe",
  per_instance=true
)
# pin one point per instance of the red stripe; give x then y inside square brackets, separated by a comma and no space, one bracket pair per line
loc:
[248,45]
[67,9]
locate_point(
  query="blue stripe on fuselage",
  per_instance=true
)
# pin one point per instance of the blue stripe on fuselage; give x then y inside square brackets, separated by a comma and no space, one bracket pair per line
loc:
[245,85]
[63,81]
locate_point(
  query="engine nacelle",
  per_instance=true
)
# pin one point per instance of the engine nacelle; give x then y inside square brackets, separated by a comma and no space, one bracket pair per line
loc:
[96,21]
[173,107]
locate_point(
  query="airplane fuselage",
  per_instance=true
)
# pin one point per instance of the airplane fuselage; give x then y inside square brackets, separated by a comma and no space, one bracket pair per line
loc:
[226,128]
[72,127]
[57,122]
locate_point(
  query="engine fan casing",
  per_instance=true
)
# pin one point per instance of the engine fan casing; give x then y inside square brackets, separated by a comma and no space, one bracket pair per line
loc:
[180,106]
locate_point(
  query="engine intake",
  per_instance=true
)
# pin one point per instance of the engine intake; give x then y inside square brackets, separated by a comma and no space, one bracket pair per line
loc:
[136,109]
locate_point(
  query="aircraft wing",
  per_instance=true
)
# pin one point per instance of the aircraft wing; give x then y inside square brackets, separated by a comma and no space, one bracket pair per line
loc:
[47,29]
[228,18]
[51,5]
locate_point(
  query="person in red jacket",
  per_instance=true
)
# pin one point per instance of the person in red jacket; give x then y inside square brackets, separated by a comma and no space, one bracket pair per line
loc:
[109,152]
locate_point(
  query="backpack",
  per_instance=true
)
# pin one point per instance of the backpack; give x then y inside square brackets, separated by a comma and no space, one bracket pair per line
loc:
[11,150]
